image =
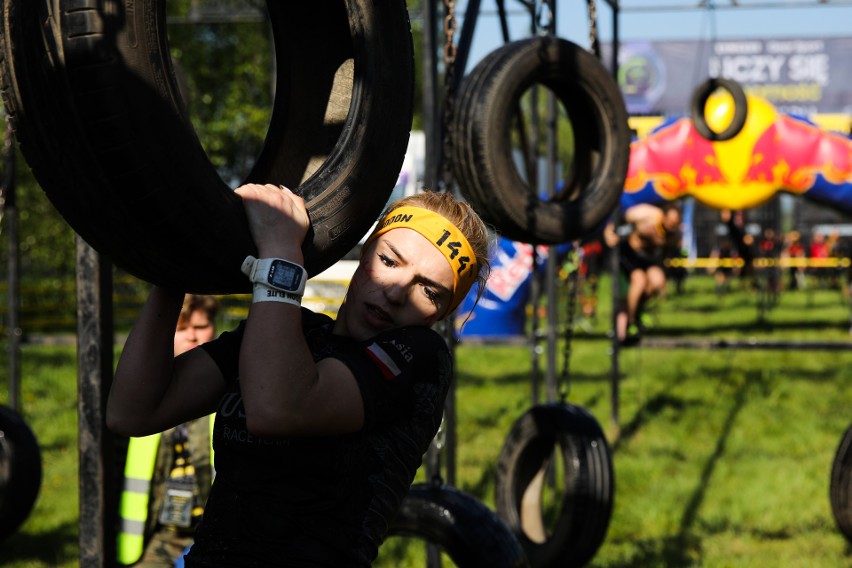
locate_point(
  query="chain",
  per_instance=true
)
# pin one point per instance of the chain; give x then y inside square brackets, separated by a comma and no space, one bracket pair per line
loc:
[544,18]
[594,43]
[449,33]
[449,87]
[8,157]
[572,265]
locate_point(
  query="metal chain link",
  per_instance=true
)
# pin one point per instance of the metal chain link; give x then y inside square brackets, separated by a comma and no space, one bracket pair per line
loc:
[573,264]
[435,453]
[439,441]
[449,89]
[594,42]
[8,155]
[544,18]
[449,32]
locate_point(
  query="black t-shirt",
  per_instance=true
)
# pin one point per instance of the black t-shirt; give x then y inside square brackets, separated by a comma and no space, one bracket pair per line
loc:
[324,501]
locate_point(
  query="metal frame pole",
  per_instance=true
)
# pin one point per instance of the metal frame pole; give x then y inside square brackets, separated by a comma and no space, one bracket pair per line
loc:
[97,481]
[13,326]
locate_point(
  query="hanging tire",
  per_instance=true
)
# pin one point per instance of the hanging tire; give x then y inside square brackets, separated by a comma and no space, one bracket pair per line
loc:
[481,140]
[20,471]
[91,92]
[584,510]
[840,487]
[459,524]
[699,102]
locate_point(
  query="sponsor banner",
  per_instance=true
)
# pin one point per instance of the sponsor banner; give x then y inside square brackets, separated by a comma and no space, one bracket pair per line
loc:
[501,311]
[798,76]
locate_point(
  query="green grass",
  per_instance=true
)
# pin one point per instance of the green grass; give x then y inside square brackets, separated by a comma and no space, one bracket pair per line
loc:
[722,457]
[49,536]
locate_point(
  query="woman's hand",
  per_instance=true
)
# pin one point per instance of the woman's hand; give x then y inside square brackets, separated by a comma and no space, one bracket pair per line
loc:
[278,220]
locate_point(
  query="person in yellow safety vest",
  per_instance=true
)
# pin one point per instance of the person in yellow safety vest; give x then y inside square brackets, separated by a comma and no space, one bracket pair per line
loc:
[167,476]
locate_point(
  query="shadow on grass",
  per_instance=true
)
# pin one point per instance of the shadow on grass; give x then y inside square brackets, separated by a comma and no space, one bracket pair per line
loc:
[653,407]
[466,380]
[525,379]
[53,548]
[756,326]
[685,547]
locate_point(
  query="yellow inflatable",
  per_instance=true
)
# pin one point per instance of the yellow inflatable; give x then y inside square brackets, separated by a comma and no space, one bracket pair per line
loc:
[773,152]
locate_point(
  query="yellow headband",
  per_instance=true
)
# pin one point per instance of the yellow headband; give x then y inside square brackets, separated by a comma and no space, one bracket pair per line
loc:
[445,236]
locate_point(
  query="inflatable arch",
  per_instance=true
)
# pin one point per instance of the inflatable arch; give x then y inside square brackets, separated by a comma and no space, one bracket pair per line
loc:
[773,152]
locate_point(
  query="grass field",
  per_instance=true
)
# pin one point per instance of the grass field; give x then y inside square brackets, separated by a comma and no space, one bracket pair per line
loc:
[722,457]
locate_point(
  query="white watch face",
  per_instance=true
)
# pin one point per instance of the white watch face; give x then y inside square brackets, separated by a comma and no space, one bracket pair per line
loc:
[285,275]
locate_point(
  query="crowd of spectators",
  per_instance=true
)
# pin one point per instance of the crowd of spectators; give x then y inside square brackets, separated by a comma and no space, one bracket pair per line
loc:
[768,261]
[776,261]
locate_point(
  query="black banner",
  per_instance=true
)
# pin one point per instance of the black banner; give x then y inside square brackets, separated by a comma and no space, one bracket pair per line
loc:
[799,76]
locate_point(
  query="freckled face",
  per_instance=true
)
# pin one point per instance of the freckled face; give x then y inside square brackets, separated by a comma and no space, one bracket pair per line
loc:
[402,280]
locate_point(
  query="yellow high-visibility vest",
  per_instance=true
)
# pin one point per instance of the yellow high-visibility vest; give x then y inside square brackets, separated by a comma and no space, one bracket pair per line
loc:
[136,492]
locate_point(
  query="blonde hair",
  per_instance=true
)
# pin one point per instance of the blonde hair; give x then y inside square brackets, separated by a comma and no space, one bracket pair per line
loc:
[466,220]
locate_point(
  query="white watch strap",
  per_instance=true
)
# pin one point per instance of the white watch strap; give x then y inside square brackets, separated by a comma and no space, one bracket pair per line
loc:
[248,267]
[257,270]
[266,294]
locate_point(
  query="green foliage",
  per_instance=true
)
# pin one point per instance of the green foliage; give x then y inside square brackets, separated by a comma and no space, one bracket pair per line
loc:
[229,78]
[533,109]
[46,240]
[46,247]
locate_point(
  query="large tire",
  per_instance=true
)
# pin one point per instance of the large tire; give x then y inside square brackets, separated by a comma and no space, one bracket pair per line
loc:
[587,484]
[699,102]
[482,158]
[20,471]
[840,487]
[459,524]
[92,94]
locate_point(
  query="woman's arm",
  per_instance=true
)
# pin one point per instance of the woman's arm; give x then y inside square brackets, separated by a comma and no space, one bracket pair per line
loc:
[284,392]
[152,390]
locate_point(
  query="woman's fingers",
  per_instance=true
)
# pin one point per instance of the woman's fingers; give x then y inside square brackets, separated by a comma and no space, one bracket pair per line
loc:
[277,216]
[299,204]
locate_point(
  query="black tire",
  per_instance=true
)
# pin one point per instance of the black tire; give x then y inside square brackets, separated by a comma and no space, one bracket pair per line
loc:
[92,95]
[699,102]
[20,471]
[840,488]
[459,524]
[587,488]
[482,147]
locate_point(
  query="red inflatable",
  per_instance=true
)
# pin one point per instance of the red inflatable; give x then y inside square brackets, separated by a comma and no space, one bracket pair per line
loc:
[773,152]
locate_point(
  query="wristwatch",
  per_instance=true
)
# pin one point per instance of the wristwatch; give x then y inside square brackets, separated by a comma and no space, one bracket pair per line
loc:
[276,273]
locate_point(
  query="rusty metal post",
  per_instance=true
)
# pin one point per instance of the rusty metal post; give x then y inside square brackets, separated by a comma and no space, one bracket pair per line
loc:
[97,481]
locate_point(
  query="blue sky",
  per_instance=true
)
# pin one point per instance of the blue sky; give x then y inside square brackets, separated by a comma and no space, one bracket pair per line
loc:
[723,22]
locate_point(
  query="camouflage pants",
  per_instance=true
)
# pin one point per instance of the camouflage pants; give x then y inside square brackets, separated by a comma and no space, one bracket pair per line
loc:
[165,547]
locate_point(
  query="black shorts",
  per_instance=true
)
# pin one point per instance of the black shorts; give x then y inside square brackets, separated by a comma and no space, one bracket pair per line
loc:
[631,259]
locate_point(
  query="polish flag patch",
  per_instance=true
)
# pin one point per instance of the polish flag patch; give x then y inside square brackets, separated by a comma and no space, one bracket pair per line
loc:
[384,362]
